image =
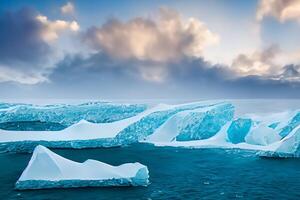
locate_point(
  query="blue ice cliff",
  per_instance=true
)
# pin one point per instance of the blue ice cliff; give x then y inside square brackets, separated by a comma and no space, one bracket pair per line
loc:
[57,117]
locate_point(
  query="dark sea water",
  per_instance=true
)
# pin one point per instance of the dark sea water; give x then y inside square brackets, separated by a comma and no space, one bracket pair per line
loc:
[174,174]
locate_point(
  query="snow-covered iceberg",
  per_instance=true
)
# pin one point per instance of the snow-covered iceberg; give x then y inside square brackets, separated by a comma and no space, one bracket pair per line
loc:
[211,117]
[287,147]
[199,125]
[57,117]
[49,170]
[252,132]
[88,135]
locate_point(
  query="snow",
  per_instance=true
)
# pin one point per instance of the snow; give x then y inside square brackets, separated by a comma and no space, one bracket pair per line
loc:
[201,123]
[49,170]
[66,115]
[262,134]
[204,124]
[249,131]
[287,147]
[85,134]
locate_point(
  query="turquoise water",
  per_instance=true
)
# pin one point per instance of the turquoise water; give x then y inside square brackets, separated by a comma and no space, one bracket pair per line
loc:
[174,174]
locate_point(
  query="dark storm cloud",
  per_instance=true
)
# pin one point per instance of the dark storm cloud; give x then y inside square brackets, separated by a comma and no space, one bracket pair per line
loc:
[104,75]
[20,37]
[291,71]
[23,52]
[100,76]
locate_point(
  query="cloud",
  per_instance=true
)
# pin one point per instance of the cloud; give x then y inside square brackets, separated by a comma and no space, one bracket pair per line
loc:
[167,38]
[106,77]
[282,10]
[15,75]
[291,73]
[51,29]
[26,50]
[68,9]
[259,63]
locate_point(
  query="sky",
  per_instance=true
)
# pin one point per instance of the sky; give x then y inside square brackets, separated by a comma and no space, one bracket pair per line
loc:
[215,49]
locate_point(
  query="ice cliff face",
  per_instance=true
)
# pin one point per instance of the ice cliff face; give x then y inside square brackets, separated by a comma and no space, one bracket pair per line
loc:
[293,123]
[196,124]
[194,120]
[57,117]
[238,130]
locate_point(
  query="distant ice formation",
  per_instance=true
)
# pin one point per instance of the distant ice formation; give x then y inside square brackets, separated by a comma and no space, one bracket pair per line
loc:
[88,135]
[59,116]
[49,170]
[204,124]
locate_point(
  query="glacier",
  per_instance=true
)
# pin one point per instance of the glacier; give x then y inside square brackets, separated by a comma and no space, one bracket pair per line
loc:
[47,169]
[85,134]
[59,116]
[203,124]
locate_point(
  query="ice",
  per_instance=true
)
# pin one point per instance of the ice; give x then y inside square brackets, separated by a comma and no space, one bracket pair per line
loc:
[262,134]
[287,147]
[90,135]
[84,134]
[49,170]
[201,123]
[238,130]
[204,124]
[60,116]
[295,121]
[258,132]
[197,126]
[149,124]
[274,125]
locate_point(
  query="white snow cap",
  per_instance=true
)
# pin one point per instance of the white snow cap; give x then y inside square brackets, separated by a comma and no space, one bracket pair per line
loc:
[46,165]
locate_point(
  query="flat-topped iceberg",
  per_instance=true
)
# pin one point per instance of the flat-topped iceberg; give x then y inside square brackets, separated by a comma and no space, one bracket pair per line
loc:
[90,135]
[49,170]
[199,124]
[57,117]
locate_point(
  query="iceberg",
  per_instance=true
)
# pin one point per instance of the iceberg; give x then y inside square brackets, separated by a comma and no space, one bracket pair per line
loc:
[294,122]
[49,170]
[85,134]
[200,123]
[146,126]
[28,117]
[238,130]
[285,148]
[262,134]
[249,131]
[213,124]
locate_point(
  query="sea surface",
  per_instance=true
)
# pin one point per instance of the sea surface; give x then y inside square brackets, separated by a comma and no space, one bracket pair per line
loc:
[175,173]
